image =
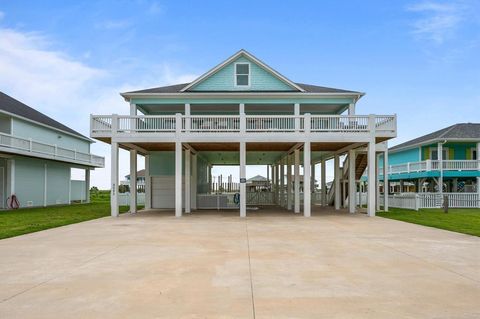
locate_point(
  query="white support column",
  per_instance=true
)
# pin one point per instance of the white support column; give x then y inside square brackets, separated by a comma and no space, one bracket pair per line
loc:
[114,180]
[386,186]
[312,184]
[274,182]
[45,185]
[148,184]
[344,193]
[243,181]
[282,183]
[352,185]
[351,109]
[336,181]
[296,112]
[307,195]
[194,182]
[188,120]
[133,181]
[209,167]
[289,182]
[440,167]
[133,109]
[371,178]
[478,177]
[87,185]
[323,183]
[178,179]
[277,184]
[377,182]
[297,181]
[187,177]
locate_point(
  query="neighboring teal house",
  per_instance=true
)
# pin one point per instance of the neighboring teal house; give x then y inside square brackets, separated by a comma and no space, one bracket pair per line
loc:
[37,155]
[447,157]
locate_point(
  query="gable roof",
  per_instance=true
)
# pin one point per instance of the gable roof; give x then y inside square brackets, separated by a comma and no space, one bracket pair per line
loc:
[249,56]
[257,178]
[307,88]
[457,131]
[14,107]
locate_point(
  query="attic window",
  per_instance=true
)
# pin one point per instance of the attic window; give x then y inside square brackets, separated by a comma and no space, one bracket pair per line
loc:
[242,74]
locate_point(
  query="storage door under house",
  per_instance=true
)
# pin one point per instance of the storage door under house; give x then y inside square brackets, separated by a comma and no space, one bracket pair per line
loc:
[163,191]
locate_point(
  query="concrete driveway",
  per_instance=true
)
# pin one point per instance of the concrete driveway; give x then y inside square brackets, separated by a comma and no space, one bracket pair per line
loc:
[212,265]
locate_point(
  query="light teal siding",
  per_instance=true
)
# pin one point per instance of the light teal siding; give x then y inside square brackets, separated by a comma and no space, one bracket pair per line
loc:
[39,133]
[402,157]
[5,124]
[224,80]
[58,182]
[299,99]
[77,190]
[30,181]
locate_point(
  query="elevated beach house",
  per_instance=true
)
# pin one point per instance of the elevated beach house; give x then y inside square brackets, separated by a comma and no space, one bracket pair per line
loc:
[442,162]
[37,155]
[241,112]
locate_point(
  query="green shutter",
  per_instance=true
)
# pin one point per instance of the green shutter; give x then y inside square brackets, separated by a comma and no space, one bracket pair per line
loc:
[468,154]
[451,154]
[426,153]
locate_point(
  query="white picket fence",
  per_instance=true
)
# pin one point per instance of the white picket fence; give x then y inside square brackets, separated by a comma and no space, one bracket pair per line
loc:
[417,201]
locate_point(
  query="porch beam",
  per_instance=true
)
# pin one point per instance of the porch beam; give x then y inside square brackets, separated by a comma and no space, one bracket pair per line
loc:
[386,187]
[297,181]
[352,186]
[187,178]
[337,176]
[133,181]
[114,180]
[323,182]
[243,184]
[178,179]
[307,195]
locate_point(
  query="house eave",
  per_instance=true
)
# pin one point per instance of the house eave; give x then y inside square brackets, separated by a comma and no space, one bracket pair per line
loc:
[434,140]
[129,96]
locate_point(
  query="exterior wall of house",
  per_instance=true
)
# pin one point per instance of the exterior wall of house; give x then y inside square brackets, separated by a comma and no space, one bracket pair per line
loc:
[27,129]
[31,177]
[405,156]
[77,190]
[162,172]
[224,80]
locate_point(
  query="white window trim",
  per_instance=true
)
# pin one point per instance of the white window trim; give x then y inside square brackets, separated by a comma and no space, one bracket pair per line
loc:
[235,75]
[434,149]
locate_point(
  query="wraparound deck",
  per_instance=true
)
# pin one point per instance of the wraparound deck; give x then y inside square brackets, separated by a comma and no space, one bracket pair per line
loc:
[433,165]
[106,126]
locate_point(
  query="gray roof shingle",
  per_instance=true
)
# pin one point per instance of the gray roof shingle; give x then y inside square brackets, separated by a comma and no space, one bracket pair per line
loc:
[456,131]
[13,106]
[307,87]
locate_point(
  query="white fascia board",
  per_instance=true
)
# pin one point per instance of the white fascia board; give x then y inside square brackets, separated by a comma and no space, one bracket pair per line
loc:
[240,95]
[232,58]
[47,126]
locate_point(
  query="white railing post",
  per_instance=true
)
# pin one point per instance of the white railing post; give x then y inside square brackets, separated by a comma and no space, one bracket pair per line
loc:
[178,123]
[188,118]
[408,167]
[55,152]
[243,123]
[297,117]
[307,123]
[30,145]
[114,123]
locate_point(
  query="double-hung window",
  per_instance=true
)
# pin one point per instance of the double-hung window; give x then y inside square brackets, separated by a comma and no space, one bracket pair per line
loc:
[242,74]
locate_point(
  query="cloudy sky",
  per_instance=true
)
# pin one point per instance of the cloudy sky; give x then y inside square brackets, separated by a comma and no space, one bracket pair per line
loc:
[418,59]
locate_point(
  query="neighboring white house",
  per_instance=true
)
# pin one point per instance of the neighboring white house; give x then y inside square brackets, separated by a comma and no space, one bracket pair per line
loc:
[37,155]
[242,112]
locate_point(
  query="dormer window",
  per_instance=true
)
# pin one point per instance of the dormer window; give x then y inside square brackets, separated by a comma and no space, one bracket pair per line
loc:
[242,74]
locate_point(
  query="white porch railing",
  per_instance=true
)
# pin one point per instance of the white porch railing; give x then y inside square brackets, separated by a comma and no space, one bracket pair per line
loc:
[417,201]
[113,124]
[431,165]
[45,150]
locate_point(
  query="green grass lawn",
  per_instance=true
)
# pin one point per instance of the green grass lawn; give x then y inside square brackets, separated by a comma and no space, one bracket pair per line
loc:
[461,220]
[29,220]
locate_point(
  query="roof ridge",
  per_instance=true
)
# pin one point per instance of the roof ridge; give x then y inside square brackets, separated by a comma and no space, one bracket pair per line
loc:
[448,129]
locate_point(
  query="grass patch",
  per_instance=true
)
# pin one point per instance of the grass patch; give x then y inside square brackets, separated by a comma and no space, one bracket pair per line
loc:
[460,220]
[29,220]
